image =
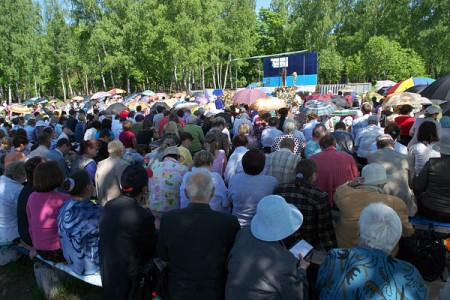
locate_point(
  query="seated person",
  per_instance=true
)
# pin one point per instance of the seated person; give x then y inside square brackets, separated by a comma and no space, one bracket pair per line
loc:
[367,271]
[433,183]
[259,266]
[46,200]
[78,225]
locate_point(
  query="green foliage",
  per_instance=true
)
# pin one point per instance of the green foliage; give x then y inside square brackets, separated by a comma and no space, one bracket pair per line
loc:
[330,65]
[66,47]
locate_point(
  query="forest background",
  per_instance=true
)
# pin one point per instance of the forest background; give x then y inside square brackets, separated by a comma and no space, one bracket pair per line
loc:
[65,48]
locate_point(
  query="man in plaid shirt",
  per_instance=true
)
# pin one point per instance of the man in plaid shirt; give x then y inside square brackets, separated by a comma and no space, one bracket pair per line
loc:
[283,162]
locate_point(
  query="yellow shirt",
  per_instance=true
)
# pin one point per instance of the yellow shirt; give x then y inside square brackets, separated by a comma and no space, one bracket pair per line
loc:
[187,157]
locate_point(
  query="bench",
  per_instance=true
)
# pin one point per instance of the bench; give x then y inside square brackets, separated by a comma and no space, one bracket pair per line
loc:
[421,223]
[94,279]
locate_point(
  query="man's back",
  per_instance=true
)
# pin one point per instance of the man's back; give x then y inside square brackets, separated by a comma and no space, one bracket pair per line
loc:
[196,241]
[334,168]
[400,168]
[127,240]
[351,201]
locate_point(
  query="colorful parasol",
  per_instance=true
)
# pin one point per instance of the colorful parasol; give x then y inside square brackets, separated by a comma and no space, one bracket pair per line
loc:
[318,107]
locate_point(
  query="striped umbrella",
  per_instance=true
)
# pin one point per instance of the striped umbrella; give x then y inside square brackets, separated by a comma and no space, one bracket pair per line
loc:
[318,107]
[407,83]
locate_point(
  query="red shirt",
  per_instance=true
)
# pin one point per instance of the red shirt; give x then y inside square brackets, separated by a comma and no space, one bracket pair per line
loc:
[126,137]
[334,168]
[161,124]
[405,123]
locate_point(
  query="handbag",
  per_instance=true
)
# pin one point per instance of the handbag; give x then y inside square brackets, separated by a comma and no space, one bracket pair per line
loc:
[426,252]
[152,278]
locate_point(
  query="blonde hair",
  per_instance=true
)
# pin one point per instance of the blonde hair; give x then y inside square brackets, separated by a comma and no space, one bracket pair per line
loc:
[244,128]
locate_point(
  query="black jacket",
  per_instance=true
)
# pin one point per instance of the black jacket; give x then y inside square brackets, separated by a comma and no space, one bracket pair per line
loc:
[127,239]
[196,241]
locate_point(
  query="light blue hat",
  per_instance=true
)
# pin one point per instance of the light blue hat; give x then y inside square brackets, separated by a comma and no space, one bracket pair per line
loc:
[275,219]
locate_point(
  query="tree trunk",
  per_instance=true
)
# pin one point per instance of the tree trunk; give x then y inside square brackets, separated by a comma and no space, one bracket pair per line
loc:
[87,84]
[63,85]
[213,71]
[226,72]
[68,83]
[9,94]
[18,92]
[128,83]
[35,87]
[203,77]
[101,71]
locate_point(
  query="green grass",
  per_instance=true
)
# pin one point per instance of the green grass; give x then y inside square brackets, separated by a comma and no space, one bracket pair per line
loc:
[17,282]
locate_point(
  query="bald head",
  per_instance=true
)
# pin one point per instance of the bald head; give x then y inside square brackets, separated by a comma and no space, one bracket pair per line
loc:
[199,187]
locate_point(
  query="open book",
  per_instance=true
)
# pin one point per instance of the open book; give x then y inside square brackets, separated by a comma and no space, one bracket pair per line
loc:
[302,247]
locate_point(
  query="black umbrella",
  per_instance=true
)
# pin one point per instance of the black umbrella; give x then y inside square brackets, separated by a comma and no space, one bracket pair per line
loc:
[340,101]
[440,89]
[118,107]
[160,103]
[445,108]
[89,104]
[417,88]
[28,102]
[382,91]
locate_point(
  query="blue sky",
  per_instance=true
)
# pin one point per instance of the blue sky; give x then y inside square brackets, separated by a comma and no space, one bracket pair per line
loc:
[262,4]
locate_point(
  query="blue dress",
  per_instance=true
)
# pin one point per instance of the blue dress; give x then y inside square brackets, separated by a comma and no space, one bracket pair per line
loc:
[79,235]
[363,273]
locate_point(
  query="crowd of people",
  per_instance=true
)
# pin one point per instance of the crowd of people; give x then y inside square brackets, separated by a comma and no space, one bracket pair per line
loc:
[222,195]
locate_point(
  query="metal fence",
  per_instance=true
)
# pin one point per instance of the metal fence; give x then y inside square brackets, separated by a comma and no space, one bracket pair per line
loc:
[357,87]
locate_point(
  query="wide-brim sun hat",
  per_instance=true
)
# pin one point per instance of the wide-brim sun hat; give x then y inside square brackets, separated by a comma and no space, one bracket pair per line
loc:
[433,110]
[275,219]
[443,146]
[374,174]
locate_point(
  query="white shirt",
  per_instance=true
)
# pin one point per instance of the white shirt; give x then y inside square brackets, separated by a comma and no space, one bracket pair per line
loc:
[397,147]
[421,153]
[269,135]
[365,138]
[308,128]
[10,190]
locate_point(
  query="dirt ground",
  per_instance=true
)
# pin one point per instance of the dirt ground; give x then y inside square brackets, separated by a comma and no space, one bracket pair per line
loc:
[17,282]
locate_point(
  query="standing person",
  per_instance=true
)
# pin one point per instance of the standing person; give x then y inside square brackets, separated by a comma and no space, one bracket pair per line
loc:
[78,220]
[311,122]
[289,129]
[405,121]
[44,141]
[361,122]
[368,269]
[127,236]
[218,125]
[343,138]
[109,172]
[196,242]
[46,200]
[366,137]
[431,114]
[259,266]
[282,163]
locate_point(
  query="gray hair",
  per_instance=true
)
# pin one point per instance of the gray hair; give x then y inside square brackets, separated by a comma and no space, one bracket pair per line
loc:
[379,227]
[289,126]
[199,186]
[115,148]
[203,158]
[16,171]
[372,120]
